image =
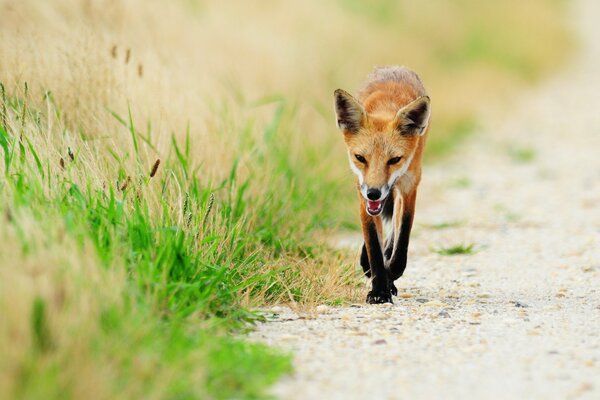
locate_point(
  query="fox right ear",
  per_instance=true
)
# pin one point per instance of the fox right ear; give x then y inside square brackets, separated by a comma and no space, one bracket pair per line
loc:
[349,112]
[413,118]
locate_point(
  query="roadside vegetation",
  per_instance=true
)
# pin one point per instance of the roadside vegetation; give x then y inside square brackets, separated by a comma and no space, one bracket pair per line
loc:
[168,167]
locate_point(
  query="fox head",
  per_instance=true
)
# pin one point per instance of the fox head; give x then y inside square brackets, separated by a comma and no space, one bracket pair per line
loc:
[381,146]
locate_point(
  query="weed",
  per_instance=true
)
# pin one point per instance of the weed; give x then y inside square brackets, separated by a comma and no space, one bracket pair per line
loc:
[444,225]
[522,155]
[458,249]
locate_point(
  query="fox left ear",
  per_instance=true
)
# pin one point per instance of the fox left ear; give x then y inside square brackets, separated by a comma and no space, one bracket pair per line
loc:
[349,113]
[413,118]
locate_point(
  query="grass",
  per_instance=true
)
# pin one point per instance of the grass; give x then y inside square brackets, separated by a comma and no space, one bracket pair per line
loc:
[191,259]
[521,155]
[444,224]
[456,250]
[164,175]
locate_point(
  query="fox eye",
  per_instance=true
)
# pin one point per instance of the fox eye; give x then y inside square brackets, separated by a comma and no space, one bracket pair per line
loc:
[394,160]
[360,158]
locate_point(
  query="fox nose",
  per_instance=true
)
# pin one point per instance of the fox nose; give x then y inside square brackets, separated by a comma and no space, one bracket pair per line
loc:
[373,194]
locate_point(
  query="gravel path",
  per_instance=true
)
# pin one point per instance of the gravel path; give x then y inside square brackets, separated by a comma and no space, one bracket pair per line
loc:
[520,318]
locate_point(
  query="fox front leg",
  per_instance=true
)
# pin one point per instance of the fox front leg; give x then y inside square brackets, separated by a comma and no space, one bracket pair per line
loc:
[403,221]
[364,261]
[372,231]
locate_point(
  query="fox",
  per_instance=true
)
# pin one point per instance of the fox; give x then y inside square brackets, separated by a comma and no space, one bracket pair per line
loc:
[385,130]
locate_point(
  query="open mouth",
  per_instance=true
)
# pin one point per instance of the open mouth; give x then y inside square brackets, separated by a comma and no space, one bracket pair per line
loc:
[374,208]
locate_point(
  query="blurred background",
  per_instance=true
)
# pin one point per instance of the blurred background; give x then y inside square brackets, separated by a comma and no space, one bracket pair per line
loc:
[235,99]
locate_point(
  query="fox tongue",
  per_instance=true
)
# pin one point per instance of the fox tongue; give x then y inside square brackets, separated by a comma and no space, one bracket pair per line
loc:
[373,205]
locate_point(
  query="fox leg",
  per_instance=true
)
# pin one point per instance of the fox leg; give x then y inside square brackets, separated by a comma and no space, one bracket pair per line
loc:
[373,231]
[364,261]
[403,221]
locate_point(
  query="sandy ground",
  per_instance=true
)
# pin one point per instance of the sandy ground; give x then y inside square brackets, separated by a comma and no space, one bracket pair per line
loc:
[520,318]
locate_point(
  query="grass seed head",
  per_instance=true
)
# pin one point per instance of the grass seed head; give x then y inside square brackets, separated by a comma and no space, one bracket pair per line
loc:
[154,168]
[125,184]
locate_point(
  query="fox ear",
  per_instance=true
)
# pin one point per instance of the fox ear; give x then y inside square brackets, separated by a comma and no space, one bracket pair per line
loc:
[349,113]
[413,118]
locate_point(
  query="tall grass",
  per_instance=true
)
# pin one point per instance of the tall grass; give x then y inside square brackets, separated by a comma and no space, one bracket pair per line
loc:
[169,166]
[189,257]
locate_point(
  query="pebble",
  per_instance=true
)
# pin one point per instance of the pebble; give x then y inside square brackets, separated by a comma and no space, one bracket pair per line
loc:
[322,309]
[405,295]
[277,309]
[422,300]
[379,315]
[434,304]
[484,295]
[520,304]
[443,314]
[380,341]
[288,337]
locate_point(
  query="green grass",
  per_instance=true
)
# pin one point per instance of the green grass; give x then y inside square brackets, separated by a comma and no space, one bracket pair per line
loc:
[195,254]
[444,225]
[522,154]
[456,250]
[461,183]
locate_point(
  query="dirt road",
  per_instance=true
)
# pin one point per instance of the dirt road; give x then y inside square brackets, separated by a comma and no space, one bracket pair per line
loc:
[519,318]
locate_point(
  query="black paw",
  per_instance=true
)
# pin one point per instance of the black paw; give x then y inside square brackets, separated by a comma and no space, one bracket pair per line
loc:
[379,297]
[393,290]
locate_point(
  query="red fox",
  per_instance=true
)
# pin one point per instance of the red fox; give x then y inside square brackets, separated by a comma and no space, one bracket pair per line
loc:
[385,130]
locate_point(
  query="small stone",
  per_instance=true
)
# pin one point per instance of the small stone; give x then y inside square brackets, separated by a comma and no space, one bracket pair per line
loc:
[345,317]
[277,309]
[434,304]
[321,309]
[421,300]
[379,315]
[520,304]
[560,295]
[357,333]
[484,295]
[443,314]
[585,387]
[590,363]
[405,295]
[380,341]
[476,314]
